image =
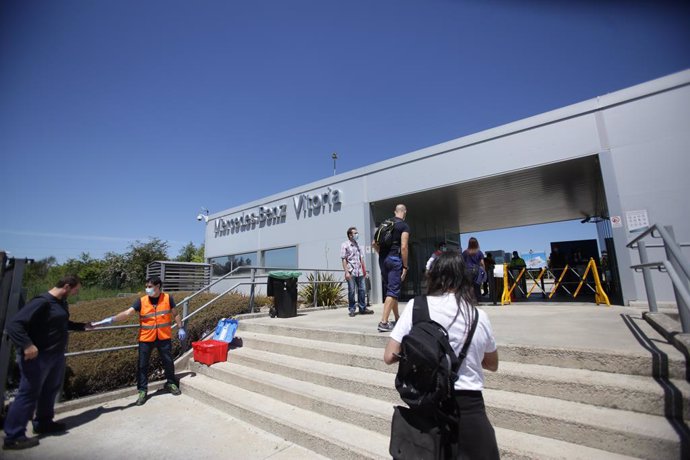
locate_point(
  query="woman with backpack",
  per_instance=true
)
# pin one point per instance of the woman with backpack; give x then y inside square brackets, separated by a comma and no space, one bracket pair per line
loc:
[450,302]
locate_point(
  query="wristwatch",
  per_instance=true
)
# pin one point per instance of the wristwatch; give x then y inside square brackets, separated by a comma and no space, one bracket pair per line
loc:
[404,267]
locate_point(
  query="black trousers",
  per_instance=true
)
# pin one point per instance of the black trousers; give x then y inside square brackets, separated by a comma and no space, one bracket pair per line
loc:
[476,435]
[165,352]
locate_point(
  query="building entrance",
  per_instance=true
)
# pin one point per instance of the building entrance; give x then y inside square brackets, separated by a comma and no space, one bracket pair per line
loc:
[552,192]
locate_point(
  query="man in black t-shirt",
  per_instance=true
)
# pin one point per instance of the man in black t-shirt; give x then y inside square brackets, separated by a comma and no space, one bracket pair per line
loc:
[393,264]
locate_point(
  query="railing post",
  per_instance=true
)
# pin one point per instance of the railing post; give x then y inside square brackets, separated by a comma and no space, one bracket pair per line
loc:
[647,277]
[185,312]
[251,291]
[680,302]
[315,286]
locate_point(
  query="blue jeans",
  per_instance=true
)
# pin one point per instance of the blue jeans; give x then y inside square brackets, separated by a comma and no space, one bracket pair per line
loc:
[356,282]
[165,352]
[41,379]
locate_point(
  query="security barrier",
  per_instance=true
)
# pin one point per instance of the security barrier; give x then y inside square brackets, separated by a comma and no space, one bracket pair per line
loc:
[600,296]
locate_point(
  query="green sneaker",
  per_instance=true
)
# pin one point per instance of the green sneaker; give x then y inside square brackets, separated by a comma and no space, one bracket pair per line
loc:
[142,398]
[173,389]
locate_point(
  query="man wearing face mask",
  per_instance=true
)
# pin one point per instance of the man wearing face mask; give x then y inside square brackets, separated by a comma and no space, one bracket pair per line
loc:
[355,272]
[156,312]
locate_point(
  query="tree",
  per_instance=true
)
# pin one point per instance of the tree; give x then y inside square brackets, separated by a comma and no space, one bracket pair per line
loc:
[190,253]
[141,254]
[115,274]
[88,269]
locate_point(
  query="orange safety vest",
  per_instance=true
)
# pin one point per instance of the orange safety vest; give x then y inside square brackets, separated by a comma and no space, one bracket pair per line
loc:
[155,321]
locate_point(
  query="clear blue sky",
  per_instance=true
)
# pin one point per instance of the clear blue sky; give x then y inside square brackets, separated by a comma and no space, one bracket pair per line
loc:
[120,119]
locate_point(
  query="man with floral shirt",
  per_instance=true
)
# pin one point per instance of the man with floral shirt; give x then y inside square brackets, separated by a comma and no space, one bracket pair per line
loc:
[355,272]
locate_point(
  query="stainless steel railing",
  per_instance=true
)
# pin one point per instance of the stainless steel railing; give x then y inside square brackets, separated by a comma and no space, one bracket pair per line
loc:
[675,265]
[254,272]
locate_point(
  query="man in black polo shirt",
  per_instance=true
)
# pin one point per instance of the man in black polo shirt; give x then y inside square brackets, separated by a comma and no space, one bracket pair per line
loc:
[39,332]
[393,264]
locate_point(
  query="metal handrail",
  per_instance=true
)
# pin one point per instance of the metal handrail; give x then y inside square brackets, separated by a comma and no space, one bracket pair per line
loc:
[669,243]
[675,265]
[185,301]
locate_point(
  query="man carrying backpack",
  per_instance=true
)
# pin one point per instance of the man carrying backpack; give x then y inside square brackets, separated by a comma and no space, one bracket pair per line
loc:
[393,265]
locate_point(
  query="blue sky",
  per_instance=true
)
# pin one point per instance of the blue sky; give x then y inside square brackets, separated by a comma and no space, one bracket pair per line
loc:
[119,120]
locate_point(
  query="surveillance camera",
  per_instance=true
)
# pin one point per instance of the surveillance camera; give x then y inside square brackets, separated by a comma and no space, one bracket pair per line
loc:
[199,217]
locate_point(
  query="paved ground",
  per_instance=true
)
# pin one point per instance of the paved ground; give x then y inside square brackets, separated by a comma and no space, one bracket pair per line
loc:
[166,427]
[117,429]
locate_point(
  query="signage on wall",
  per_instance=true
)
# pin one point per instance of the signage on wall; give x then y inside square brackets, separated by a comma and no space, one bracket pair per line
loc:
[306,205]
[312,205]
[265,215]
[637,220]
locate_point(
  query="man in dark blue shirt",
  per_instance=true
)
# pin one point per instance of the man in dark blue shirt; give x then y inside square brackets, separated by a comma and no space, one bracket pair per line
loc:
[39,332]
[393,265]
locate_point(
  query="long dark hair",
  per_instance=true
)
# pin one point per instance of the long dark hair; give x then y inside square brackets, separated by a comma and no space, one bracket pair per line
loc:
[448,274]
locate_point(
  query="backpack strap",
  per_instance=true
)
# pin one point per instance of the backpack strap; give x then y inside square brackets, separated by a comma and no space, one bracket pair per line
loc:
[463,352]
[420,310]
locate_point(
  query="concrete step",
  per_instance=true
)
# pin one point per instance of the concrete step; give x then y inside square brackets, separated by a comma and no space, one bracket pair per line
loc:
[326,436]
[609,361]
[357,409]
[616,391]
[603,389]
[618,431]
[375,415]
[516,445]
[368,382]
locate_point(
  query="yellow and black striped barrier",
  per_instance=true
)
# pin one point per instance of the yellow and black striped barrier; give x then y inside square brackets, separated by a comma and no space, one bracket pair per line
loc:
[600,296]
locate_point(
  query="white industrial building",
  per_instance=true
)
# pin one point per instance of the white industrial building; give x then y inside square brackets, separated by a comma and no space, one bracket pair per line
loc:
[620,158]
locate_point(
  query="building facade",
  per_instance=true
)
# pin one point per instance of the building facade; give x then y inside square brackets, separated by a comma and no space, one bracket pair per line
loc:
[617,159]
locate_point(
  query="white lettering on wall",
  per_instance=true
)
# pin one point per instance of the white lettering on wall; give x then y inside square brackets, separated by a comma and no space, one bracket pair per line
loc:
[307,205]
[265,215]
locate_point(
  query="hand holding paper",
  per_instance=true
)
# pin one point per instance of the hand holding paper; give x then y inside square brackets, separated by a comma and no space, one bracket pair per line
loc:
[181,334]
[104,322]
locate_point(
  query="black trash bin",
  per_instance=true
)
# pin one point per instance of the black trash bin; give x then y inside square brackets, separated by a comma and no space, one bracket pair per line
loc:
[282,286]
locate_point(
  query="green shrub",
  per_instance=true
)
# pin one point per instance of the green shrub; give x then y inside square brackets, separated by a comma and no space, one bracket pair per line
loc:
[97,373]
[329,291]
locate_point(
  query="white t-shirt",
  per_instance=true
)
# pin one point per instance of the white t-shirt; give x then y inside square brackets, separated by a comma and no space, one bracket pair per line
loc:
[442,309]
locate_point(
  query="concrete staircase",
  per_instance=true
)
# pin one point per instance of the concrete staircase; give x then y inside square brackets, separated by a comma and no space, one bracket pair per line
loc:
[330,392]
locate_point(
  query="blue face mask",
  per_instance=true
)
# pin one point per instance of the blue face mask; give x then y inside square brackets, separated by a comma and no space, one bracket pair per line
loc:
[150,291]
[355,236]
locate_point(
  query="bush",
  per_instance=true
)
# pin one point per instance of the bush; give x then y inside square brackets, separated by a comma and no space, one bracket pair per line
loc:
[329,291]
[96,373]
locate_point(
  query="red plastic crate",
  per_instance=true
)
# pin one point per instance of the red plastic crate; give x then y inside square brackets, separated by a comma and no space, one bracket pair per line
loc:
[210,351]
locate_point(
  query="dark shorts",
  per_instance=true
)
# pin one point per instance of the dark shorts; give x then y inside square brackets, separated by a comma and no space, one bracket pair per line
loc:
[391,272]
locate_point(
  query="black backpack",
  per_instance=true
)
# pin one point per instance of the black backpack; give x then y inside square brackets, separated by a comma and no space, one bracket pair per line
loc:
[428,366]
[383,237]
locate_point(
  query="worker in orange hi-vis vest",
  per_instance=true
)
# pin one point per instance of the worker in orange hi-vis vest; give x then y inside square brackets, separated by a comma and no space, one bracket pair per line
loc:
[156,312]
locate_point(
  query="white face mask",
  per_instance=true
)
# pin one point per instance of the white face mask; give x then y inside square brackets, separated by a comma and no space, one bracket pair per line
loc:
[150,291]
[355,236]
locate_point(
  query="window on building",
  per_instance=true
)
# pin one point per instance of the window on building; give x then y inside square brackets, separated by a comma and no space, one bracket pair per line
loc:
[281,258]
[224,265]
